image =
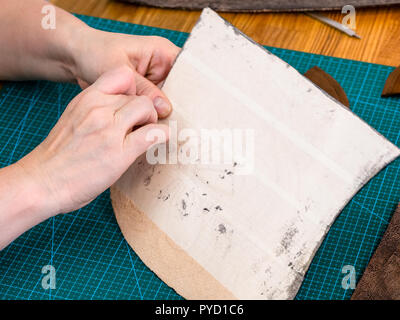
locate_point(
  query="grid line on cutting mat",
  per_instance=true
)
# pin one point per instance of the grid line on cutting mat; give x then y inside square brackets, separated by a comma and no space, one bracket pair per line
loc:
[91,257]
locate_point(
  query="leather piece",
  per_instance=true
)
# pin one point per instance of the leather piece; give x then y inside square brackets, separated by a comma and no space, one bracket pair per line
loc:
[176,268]
[253,219]
[381,279]
[392,85]
[327,83]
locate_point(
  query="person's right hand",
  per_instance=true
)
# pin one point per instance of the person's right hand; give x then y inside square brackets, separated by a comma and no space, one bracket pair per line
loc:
[92,144]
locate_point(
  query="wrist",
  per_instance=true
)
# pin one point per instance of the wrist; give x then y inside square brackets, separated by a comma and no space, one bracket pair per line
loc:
[53,51]
[33,187]
[83,52]
[67,45]
[31,196]
[22,203]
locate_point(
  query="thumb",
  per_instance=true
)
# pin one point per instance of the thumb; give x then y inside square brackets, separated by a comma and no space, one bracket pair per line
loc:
[143,138]
[117,81]
[145,87]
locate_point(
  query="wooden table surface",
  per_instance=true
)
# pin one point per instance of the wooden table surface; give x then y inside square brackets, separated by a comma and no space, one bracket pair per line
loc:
[378,27]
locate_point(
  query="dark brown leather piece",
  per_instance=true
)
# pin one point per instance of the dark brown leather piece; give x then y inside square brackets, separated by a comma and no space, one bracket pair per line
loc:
[392,85]
[381,279]
[327,83]
[260,5]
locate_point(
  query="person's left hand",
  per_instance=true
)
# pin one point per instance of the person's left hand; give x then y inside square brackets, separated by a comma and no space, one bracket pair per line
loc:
[150,57]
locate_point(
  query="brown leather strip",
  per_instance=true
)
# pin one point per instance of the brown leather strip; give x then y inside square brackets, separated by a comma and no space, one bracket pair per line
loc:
[381,279]
[327,83]
[392,85]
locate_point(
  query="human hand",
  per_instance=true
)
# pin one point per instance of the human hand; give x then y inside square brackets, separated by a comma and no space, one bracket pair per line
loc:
[149,57]
[92,144]
[73,51]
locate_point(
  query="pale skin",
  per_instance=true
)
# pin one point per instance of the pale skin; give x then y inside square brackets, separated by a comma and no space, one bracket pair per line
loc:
[102,131]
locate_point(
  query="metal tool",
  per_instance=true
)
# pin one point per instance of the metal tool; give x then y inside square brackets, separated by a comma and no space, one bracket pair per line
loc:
[334,24]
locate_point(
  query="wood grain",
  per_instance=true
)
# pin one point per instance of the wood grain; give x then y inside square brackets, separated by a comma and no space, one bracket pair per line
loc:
[378,27]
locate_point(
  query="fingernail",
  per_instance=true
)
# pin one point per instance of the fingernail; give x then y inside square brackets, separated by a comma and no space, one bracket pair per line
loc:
[163,108]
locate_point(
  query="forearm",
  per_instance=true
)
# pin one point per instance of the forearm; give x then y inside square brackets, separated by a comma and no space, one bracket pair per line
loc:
[29,51]
[22,203]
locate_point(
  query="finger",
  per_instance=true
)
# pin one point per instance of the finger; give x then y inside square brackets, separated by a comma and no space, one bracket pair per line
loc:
[83,84]
[90,99]
[162,53]
[145,87]
[136,112]
[160,84]
[117,81]
[140,140]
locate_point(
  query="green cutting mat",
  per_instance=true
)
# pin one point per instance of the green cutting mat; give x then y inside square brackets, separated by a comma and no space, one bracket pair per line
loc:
[86,247]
